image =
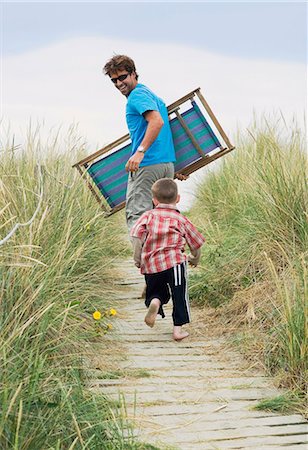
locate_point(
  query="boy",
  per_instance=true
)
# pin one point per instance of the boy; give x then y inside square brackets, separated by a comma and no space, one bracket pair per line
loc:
[159,237]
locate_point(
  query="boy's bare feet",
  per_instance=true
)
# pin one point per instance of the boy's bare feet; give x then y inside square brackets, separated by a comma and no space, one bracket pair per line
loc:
[152,312]
[179,334]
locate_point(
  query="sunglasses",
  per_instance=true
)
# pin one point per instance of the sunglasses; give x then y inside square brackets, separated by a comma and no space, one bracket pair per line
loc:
[120,78]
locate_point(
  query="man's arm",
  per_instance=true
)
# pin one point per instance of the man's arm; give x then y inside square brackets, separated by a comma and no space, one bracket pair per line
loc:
[155,123]
[137,247]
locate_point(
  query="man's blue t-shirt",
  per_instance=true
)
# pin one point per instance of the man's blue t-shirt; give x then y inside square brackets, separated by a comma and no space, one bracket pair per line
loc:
[140,100]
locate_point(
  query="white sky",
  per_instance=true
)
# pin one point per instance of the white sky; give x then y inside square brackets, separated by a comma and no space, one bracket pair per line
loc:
[57,79]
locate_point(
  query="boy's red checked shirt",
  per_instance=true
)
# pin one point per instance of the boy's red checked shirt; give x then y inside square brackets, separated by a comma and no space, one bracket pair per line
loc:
[164,232]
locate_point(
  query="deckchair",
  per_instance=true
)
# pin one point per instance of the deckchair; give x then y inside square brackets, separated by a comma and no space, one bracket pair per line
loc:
[196,145]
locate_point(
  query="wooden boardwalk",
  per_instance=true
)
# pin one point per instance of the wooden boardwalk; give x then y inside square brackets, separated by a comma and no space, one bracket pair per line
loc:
[195,394]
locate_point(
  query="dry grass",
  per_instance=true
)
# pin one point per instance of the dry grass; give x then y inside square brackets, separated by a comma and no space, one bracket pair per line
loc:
[252,280]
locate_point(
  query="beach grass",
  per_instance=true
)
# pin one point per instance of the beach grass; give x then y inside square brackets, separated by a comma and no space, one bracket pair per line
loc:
[55,272]
[253,210]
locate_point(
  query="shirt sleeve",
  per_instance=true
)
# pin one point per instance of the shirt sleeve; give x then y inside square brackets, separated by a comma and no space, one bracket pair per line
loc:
[193,237]
[143,102]
[139,228]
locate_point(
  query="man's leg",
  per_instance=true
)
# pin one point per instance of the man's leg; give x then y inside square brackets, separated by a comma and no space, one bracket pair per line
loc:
[139,195]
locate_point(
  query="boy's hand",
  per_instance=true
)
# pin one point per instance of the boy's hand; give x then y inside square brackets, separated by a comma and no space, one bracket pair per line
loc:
[137,264]
[192,261]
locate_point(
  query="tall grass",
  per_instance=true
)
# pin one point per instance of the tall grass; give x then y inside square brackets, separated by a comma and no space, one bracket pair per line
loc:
[253,210]
[54,273]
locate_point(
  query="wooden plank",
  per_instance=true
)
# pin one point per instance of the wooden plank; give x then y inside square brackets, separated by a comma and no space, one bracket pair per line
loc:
[247,437]
[214,120]
[164,396]
[103,150]
[197,364]
[178,382]
[213,446]
[235,421]
[288,447]
[157,351]
[92,189]
[189,134]
[176,358]
[218,408]
[182,100]
[225,392]
[115,209]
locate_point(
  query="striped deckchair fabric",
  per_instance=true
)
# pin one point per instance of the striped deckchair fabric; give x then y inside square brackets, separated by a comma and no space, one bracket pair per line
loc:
[110,176]
[195,142]
[197,129]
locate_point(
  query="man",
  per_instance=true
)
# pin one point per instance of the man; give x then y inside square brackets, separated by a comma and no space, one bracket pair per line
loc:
[153,152]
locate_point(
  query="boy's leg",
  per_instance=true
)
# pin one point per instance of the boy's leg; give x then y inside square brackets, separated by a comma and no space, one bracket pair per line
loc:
[157,295]
[179,290]
[152,312]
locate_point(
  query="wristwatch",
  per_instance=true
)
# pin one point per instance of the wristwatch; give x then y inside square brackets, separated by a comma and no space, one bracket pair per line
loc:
[141,149]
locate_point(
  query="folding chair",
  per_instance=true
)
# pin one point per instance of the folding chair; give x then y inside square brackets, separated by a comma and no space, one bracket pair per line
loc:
[195,142]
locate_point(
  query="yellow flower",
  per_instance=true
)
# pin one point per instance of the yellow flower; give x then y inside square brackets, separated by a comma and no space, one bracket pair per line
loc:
[109,326]
[97,315]
[112,312]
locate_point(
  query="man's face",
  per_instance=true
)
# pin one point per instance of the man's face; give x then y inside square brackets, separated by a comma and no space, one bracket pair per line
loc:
[124,81]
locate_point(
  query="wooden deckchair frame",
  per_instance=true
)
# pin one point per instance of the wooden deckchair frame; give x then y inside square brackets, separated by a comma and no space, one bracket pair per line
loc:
[83,165]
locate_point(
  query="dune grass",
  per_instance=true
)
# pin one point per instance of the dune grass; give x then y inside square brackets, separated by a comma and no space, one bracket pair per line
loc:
[253,211]
[286,403]
[54,273]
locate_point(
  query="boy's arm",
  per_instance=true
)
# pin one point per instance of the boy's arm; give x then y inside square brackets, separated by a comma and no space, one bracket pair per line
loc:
[137,247]
[194,257]
[195,240]
[137,236]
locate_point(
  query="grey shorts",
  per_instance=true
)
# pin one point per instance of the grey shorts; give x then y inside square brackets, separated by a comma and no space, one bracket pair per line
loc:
[139,195]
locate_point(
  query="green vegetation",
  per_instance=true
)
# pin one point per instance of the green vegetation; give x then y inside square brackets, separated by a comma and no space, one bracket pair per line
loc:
[285,403]
[54,273]
[253,211]
[128,373]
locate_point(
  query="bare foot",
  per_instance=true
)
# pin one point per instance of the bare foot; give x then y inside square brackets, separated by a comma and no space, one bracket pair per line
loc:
[152,312]
[179,334]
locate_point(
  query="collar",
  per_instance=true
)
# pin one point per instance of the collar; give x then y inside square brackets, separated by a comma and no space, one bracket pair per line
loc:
[167,206]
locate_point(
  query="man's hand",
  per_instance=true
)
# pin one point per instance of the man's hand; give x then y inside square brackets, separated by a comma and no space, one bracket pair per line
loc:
[132,164]
[138,264]
[180,176]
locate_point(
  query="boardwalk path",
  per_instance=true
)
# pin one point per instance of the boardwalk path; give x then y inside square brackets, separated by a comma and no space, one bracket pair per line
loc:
[197,393]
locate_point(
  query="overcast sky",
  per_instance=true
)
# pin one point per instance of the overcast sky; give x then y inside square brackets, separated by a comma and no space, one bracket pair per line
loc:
[246,56]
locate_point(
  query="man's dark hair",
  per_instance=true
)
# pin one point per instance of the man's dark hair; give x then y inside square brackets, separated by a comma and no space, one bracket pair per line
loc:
[165,190]
[120,62]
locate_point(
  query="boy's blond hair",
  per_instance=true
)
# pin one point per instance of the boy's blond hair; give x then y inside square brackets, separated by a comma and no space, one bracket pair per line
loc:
[165,190]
